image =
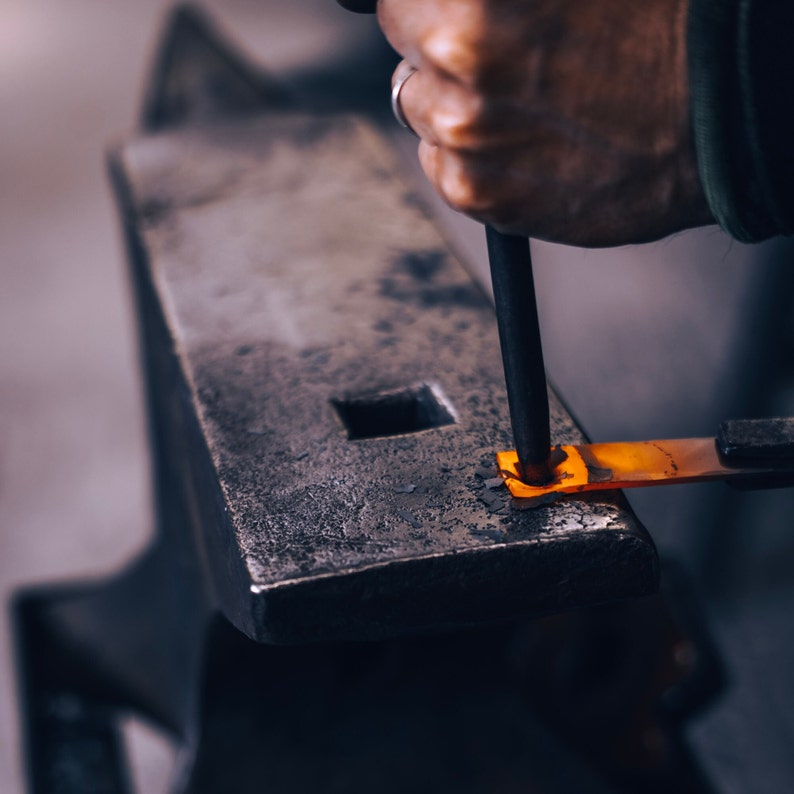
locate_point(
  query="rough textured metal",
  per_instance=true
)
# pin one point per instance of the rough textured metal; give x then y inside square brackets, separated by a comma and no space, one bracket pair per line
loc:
[293,269]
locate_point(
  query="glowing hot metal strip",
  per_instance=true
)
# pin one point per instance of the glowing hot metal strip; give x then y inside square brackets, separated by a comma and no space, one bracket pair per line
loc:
[631,464]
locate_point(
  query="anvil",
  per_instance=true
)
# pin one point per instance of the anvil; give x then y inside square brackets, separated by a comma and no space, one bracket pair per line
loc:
[325,396]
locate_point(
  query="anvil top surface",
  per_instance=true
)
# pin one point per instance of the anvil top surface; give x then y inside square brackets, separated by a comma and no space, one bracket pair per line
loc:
[294,269]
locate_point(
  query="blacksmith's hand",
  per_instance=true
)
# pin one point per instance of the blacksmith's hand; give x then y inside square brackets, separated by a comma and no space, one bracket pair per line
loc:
[566,120]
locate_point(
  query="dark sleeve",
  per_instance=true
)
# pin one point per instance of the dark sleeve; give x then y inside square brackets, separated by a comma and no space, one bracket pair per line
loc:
[741,71]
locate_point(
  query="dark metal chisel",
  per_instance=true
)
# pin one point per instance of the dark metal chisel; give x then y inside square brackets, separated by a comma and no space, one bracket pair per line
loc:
[522,352]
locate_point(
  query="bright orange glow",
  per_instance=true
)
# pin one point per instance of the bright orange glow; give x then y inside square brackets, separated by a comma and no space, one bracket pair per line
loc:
[631,464]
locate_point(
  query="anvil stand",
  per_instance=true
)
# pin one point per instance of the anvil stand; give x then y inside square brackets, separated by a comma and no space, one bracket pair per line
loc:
[399,666]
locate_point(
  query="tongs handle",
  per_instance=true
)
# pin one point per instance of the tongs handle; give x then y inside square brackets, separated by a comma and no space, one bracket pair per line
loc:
[761,442]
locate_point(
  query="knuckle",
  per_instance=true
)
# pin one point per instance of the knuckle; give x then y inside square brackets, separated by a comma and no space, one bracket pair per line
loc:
[461,188]
[456,50]
[460,126]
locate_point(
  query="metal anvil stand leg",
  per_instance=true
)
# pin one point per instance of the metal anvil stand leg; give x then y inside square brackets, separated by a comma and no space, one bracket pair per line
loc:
[339,595]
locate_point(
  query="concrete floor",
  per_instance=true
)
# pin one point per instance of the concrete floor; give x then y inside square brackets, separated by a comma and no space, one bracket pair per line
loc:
[643,342]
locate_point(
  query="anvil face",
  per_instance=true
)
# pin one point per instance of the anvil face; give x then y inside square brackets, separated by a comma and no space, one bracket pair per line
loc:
[331,394]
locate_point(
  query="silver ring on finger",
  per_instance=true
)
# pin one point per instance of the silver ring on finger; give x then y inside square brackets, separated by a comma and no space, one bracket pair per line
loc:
[404,71]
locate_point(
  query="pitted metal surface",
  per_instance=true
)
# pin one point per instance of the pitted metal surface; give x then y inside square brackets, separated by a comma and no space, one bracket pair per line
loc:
[296,272]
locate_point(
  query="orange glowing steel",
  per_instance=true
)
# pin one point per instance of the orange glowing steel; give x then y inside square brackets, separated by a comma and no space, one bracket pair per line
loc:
[632,464]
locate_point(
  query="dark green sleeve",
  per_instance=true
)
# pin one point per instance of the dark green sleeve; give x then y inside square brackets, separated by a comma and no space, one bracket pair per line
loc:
[741,70]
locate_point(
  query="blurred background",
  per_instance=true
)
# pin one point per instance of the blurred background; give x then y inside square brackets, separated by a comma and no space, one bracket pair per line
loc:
[662,340]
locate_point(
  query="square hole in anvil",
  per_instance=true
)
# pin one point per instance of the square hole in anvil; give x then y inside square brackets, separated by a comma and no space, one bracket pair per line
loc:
[395,412]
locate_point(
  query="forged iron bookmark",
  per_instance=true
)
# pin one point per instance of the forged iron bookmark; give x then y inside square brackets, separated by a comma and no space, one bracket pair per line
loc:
[754,453]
